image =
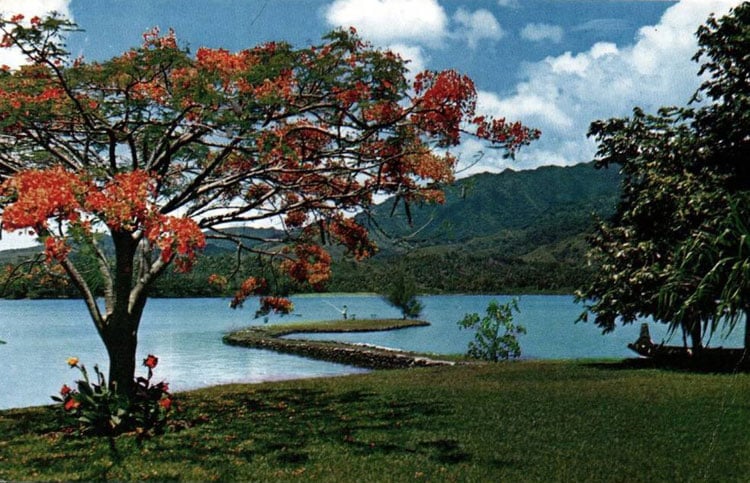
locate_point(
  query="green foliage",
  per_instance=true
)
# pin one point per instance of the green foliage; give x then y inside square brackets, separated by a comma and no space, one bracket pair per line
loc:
[402,294]
[101,410]
[674,250]
[720,259]
[666,198]
[496,335]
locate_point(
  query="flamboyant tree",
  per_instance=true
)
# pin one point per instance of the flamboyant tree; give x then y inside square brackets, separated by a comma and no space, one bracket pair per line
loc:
[160,150]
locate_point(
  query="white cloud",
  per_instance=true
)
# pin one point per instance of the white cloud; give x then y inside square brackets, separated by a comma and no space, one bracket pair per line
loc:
[413,54]
[476,26]
[508,3]
[16,239]
[528,105]
[562,95]
[600,49]
[541,32]
[569,64]
[28,8]
[34,7]
[388,21]
[412,22]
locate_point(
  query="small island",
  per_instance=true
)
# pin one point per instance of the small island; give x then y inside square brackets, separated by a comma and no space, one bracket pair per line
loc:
[360,355]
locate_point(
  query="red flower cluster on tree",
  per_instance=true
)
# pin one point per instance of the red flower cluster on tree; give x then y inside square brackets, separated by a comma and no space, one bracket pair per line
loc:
[279,305]
[180,238]
[227,64]
[513,134]
[123,203]
[311,264]
[443,100]
[56,248]
[154,39]
[353,236]
[250,286]
[36,195]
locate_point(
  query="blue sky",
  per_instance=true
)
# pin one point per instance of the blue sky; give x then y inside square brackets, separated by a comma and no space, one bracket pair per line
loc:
[554,64]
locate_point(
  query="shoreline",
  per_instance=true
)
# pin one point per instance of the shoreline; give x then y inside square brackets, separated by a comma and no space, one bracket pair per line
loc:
[359,355]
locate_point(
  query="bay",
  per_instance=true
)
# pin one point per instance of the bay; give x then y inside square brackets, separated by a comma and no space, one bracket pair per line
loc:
[186,336]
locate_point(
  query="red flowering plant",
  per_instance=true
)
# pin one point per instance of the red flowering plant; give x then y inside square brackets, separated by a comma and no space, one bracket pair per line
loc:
[102,411]
[151,404]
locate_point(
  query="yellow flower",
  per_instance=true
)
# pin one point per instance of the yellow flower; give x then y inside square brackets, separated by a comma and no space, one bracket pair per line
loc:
[72,361]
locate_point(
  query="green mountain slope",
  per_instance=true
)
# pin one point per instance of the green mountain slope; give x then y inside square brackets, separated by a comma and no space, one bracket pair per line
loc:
[509,232]
[548,201]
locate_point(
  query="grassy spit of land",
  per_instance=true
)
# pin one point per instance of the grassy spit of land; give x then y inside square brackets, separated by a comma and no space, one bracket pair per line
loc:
[268,337]
[569,421]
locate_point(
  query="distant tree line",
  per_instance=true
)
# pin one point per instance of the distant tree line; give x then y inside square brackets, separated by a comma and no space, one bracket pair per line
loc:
[443,272]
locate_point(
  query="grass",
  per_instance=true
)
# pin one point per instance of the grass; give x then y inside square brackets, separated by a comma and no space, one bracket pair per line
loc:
[339,326]
[525,421]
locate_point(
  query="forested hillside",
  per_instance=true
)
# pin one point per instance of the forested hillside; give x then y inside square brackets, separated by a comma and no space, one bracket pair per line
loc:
[511,232]
[488,205]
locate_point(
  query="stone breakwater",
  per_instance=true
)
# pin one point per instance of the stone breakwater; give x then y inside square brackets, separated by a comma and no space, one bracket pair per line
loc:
[359,355]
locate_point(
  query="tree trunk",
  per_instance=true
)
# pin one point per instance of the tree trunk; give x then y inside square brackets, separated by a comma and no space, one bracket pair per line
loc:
[696,336]
[120,334]
[121,341]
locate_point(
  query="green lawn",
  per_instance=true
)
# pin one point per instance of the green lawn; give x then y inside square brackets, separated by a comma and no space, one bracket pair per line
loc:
[340,325]
[569,421]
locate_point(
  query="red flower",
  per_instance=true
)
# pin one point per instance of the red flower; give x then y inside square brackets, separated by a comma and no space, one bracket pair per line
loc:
[150,361]
[56,249]
[71,404]
[280,305]
[166,403]
[65,390]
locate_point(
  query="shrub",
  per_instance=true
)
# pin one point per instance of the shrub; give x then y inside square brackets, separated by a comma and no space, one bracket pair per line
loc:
[496,335]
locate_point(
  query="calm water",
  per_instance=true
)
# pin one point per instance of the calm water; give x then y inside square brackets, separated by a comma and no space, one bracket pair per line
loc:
[186,336]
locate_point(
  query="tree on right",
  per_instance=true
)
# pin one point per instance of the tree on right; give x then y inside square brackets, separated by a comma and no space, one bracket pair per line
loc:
[678,247]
